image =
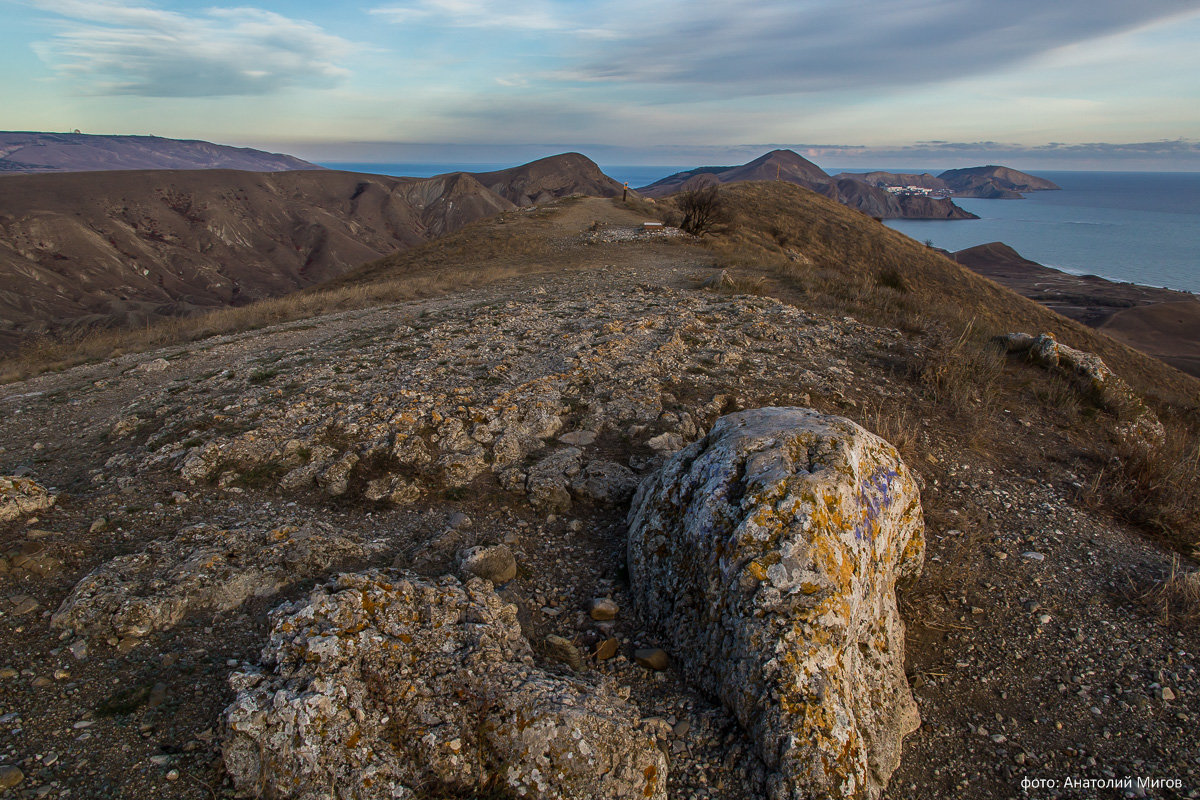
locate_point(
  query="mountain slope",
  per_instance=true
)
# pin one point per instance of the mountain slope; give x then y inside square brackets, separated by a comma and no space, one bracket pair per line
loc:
[105,248]
[550,178]
[1159,322]
[830,249]
[790,167]
[81,152]
[120,247]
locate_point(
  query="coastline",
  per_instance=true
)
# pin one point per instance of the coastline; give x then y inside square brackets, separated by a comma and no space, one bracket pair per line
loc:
[1164,323]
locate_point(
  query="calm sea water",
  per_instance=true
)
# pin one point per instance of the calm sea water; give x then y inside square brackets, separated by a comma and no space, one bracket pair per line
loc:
[1141,227]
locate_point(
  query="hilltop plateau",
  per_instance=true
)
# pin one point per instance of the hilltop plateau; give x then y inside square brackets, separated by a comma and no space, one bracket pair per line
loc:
[542,528]
[27,152]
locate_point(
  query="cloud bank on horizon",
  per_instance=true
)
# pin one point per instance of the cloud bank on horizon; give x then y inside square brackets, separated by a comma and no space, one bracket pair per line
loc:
[898,76]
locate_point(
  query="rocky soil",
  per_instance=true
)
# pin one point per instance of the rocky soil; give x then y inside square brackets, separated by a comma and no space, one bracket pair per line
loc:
[199,487]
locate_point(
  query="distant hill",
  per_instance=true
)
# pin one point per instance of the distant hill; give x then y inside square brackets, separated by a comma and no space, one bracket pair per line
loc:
[788,166]
[549,178]
[22,152]
[992,182]
[91,248]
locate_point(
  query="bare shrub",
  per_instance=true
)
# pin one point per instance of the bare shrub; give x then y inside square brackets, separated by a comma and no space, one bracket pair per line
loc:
[703,209]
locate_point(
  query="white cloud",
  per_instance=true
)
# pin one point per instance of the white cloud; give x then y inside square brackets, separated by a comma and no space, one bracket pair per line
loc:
[529,16]
[121,49]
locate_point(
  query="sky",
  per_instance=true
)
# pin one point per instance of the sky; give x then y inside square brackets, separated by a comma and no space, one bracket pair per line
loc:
[930,84]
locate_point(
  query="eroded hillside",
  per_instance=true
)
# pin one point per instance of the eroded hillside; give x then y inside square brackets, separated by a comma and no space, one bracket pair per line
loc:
[97,249]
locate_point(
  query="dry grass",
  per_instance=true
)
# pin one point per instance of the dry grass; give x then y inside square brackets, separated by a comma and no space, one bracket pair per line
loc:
[1174,599]
[897,423]
[49,354]
[1156,487]
[963,373]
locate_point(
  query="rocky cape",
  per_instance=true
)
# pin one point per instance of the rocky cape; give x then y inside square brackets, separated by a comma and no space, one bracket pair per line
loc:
[991,182]
[126,247]
[77,152]
[786,165]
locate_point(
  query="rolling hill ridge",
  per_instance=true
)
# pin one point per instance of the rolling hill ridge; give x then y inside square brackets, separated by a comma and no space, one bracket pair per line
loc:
[107,248]
[790,167]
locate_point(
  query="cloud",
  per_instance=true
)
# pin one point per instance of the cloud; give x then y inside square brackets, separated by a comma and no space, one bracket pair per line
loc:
[528,16]
[811,46]
[119,49]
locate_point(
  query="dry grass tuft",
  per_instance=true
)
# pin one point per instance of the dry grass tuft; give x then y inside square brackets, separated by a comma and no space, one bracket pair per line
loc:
[1174,599]
[899,424]
[963,373]
[1157,487]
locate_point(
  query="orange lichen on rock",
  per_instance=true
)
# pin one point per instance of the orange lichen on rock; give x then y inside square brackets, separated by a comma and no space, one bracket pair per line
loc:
[768,552]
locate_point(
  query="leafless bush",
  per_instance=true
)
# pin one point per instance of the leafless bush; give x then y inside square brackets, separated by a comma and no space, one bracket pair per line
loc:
[703,209]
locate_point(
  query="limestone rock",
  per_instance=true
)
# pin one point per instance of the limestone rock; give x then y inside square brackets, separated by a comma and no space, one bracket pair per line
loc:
[1139,422]
[606,482]
[549,479]
[21,496]
[495,564]
[768,552]
[203,568]
[384,685]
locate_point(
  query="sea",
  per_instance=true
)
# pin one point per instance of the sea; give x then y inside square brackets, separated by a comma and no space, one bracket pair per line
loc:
[1136,227]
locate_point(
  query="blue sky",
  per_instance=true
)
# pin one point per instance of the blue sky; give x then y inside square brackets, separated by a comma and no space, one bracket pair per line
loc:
[892,83]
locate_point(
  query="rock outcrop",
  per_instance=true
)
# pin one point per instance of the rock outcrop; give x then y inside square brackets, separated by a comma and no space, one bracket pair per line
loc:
[20,496]
[467,410]
[768,552]
[383,684]
[204,568]
[1095,380]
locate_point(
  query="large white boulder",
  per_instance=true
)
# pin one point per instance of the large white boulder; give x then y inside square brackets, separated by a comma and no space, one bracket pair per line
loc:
[768,554]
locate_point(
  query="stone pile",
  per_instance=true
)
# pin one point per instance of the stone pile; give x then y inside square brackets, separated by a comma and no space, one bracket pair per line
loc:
[387,685]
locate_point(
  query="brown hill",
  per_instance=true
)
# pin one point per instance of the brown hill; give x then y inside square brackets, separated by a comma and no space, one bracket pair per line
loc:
[112,248]
[79,152]
[884,179]
[120,247]
[777,164]
[550,178]
[1159,322]
[994,182]
[790,167]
